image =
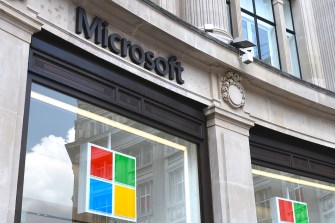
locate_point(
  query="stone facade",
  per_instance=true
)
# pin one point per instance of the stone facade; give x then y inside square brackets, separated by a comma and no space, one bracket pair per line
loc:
[272,98]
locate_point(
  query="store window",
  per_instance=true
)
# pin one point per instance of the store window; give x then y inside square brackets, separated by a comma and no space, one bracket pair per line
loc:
[87,164]
[144,201]
[262,198]
[291,39]
[285,197]
[176,195]
[259,27]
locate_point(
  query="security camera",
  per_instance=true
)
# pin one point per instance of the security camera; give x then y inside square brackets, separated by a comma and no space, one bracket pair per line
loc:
[245,47]
[247,57]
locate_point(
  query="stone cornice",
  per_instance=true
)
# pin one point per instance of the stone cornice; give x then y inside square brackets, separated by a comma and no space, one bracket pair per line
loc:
[21,24]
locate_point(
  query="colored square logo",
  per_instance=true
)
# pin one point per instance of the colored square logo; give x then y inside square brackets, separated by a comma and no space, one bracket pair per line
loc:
[107,183]
[125,170]
[288,211]
[125,202]
[101,196]
[300,213]
[101,163]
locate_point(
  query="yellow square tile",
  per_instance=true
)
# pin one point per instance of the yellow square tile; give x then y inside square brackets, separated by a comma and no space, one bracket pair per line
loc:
[125,202]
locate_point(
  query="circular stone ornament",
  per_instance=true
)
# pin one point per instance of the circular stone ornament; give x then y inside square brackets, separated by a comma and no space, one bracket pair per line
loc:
[232,90]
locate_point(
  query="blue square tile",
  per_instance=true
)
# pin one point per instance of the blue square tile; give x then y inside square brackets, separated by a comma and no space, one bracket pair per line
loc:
[100,196]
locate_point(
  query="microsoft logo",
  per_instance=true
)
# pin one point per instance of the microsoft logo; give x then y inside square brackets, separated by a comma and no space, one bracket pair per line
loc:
[107,183]
[288,211]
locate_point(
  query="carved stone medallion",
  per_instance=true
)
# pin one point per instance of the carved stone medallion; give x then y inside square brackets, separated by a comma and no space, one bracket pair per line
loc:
[232,90]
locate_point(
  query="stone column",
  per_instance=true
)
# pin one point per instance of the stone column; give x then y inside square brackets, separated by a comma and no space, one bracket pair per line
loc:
[323,14]
[236,18]
[284,51]
[230,164]
[308,42]
[215,12]
[16,29]
[173,6]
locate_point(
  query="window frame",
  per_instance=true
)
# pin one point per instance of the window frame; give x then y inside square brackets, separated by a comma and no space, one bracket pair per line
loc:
[292,32]
[257,17]
[230,17]
[147,185]
[263,201]
[278,151]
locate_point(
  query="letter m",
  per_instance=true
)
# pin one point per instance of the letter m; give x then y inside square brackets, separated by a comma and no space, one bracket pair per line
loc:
[82,23]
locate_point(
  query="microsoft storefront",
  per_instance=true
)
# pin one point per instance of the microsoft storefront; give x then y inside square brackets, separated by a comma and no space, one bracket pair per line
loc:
[102,144]
[105,146]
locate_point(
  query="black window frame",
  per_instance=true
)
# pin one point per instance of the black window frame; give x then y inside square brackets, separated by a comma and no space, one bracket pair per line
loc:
[230,17]
[278,151]
[49,52]
[257,17]
[295,38]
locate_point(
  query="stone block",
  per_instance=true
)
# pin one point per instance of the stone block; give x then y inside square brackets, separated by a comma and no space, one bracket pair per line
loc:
[220,201]
[12,78]
[237,158]
[3,214]
[241,204]
[7,140]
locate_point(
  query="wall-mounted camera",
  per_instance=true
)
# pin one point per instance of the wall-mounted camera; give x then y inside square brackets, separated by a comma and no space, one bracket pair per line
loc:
[244,47]
[247,56]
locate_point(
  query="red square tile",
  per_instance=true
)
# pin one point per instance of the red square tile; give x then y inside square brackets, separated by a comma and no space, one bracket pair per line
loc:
[286,211]
[101,163]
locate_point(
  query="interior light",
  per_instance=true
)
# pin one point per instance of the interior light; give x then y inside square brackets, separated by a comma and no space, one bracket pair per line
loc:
[105,120]
[293,180]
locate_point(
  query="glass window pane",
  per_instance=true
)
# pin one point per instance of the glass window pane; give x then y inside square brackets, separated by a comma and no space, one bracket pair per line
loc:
[247,5]
[268,43]
[249,32]
[288,15]
[293,54]
[74,173]
[305,199]
[264,9]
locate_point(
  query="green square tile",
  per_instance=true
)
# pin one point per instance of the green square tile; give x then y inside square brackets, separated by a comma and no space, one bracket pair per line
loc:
[125,170]
[300,213]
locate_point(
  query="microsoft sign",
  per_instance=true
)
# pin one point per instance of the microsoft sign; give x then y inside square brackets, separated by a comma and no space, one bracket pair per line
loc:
[288,211]
[107,183]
